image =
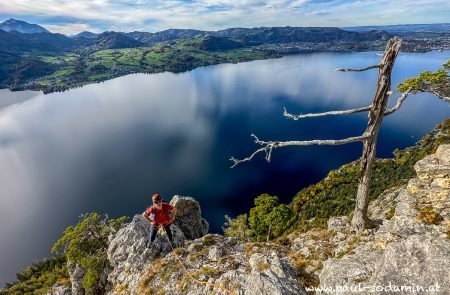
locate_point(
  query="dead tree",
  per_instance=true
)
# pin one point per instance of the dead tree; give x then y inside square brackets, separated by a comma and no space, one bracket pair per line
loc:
[377,110]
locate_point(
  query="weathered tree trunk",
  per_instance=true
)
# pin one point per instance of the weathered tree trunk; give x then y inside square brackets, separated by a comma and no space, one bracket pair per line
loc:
[268,234]
[377,110]
[376,114]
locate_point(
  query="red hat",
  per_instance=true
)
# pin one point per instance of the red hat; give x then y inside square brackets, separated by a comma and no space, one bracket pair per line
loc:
[156,198]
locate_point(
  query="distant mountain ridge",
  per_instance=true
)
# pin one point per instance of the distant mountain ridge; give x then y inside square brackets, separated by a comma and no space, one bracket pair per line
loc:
[174,34]
[265,35]
[21,27]
[115,40]
[85,34]
[16,42]
[166,35]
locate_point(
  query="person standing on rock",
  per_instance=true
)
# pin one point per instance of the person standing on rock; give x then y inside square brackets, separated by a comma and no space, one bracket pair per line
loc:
[160,214]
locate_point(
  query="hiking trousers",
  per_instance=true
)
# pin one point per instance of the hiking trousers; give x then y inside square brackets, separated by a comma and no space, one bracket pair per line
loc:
[154,230]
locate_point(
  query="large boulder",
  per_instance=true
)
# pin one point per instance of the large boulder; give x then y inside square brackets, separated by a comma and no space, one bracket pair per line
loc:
[189,217]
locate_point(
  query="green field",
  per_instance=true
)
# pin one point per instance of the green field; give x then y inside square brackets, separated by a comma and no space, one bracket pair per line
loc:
[75,69]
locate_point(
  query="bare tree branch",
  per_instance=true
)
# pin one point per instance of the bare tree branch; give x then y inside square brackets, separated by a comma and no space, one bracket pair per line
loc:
[268,146]
[433,90]
[344,112]
[359,70]
[441,96]
[400,100]
[398,104]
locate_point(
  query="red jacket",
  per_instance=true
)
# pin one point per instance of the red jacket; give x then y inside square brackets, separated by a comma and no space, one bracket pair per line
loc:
[160,216]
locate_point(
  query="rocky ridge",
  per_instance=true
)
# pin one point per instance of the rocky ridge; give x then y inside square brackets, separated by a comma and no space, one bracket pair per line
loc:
[137,269]
[128,253]
[411,247]
[213,258]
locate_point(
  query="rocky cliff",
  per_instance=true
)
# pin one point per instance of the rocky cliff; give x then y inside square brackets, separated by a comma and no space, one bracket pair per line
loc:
[409,249]
[412,248]
[138,269]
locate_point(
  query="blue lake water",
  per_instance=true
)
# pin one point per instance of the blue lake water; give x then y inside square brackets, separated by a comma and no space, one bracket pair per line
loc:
[108,147]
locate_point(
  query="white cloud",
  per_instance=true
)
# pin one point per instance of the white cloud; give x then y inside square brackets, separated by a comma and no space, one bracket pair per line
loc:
[70,29]
[126,15]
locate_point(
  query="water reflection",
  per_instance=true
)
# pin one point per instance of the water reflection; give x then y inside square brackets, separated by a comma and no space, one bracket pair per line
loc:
[8,98]
[108,147]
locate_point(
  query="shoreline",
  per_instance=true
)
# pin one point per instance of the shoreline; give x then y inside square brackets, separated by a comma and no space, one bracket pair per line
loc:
[34,85]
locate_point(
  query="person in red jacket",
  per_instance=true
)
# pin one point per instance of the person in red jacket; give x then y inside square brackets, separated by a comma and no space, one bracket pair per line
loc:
[160,214]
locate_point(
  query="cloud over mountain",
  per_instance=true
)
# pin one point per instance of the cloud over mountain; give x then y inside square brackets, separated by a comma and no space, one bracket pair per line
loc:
[72,17]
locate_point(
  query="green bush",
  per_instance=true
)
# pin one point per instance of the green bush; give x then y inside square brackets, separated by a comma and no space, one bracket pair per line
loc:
[267,220]
[39,277]
[86,243]
[238,228]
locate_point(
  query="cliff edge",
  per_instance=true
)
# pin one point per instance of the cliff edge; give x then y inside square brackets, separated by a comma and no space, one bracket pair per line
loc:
[410,249]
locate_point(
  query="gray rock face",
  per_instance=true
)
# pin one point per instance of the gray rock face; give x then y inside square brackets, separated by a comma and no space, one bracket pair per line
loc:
[338,223]
[189,217]
[382,207]
[404,252]
[257,270]
[418,259]
[432,187]
[76,274]
[215,253]
[60,290]
[129,254]
[76,277]
[271,275]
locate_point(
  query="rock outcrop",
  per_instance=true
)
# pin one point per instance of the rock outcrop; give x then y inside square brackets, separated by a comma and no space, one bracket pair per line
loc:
[218,260]
[58,289]
[253,269]
[411,250]
[76,274]
[189,217]
[128,252]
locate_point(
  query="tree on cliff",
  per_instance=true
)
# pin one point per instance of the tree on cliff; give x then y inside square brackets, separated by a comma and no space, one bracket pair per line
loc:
[437,82]
[266,220]
[432,82]
[85,245]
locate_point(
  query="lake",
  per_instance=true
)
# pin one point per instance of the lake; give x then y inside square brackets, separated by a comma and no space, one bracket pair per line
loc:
[108,147]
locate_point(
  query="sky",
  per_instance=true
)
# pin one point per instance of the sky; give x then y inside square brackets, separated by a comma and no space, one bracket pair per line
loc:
[71,17]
